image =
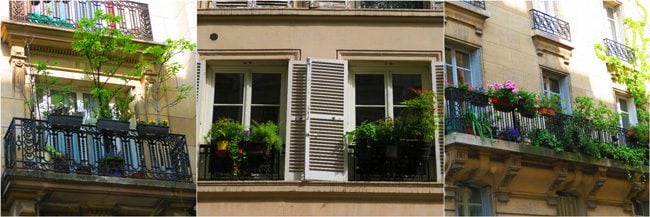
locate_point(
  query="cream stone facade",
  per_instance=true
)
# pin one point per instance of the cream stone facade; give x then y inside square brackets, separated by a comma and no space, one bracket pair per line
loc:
[238,40]
[163,190]
[501,43]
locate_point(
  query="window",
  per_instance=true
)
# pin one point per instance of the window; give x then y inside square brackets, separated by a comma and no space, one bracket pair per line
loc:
[78,102]
[463,67]
[379,93]
[248,96]
[625,107]
[473,201]
[612,23]
[558,85]
[547,6]
[641,208]
[568,205]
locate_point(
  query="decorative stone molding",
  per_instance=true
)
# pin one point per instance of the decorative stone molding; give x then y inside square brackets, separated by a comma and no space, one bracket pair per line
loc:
[551,45]
[512,166]
[466,14]
[561,171]
[18,70]
[636,187]
[457,157]
[599,176]
[483,167]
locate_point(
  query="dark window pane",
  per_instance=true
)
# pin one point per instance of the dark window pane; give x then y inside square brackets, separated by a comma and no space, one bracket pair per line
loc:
[261,114]
[369,89]
[266,89]
[403,86]
[232,112]
[228,88]
[369,114]
[397,111]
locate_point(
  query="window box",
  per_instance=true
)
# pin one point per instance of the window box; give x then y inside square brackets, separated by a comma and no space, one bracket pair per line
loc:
[254,148]
[151,130]
[478,99]
[113,126]
[502,104]
[456,94]
[65,121]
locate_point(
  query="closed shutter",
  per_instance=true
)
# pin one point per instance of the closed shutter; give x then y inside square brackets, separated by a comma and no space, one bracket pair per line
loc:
[325,157]
[200,97]
[296,112]
[438,75]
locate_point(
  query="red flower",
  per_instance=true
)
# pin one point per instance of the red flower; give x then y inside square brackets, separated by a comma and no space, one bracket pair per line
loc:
[241,151]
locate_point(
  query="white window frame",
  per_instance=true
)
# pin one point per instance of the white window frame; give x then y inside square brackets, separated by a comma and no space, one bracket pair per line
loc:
[631,110]
[388,84]
[617,36]
[565,93]
[476,80]
[486,199]
[247,93]
[549,7]
[79,101]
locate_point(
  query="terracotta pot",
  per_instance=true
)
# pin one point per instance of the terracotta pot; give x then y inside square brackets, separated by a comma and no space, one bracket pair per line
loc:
[502,104]
[630,132]
[546,111]
[222,145]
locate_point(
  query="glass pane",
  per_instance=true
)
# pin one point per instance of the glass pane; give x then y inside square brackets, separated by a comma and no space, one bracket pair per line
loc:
[610,13]
[555,85]
[228,88]
[450,75]
[626,121]
[403,86]
[90,105]
[475,195]
[622,103]
[475,210]
[266,89]
[612,29]
[397,111]
[462,60]
[465,76]
[369,89]
[369,114]
[261,114]
[460,210]
[448,56]
[232,112]
[70,99]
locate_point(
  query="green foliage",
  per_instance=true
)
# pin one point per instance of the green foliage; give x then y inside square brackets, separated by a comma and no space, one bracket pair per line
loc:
[641,133]
[122,111]
[105,50]
[267,133]
[163,71]
[44,87]
[549,101]
[525,99]
[49,148]
[543,137]
[418,119]
[366,133]
[225,129]
[480,125]
[600,116]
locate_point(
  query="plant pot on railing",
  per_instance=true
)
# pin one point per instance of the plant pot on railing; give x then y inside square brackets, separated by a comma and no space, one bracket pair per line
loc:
[113,126]
[455,94]
[478,99]
[502,104]
[65,121]
[546,111]
[152,130]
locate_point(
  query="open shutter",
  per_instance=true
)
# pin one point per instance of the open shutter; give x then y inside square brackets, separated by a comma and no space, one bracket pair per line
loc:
[438,75]
[325,157]
[200,97]
[296,115]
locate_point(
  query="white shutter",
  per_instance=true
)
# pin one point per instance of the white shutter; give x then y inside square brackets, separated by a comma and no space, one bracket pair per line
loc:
[438,75]
[296,112]
[325,157]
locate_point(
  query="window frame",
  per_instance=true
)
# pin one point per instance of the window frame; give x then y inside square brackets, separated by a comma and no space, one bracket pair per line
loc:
[618,30]
[79,105]
[476,79]
[486,199]
[631,110]
[564,85]
[387,73]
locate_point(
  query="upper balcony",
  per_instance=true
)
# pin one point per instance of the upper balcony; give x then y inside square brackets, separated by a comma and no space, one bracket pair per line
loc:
[476,3]
[66,14]
[35,145]
[551,25]
[324,4]
[619,50]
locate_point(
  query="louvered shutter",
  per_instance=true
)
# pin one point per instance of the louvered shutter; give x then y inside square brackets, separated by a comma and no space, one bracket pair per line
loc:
[200,97]
[325,157]
[438,75]
[296,112]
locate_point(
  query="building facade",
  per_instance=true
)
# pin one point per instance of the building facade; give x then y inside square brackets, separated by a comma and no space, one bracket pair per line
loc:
[50,170]
[317,69]
[545,47]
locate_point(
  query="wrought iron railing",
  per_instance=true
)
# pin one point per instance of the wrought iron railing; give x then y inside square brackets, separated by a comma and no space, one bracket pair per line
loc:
[35,145]
[551,25]
[217,165]
[519,127]
[406,161]
[619,50]
[320,3]
[66,14]
[392,4]
[476,3]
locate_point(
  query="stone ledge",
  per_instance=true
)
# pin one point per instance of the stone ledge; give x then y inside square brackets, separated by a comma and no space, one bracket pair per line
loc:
[305,12]
[506,146]
[482,13]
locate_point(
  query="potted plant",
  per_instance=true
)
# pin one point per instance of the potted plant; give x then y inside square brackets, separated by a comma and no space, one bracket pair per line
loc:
[477,126]
[61,114]
[59,162]
[526,103]
[121,112]
[503,95]
[263,139]
[57,109]
[417,122]
[223,133]
[509,134]
[111,164]
[152,128]
[456,92]
[548,105]
[477,98]
[543,137]
[160,71]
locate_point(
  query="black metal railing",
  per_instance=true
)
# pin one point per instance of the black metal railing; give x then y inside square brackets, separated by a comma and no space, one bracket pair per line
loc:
[35,145]
[551,25]
[392,4]
[320,3]
[520,127]
[406,161]
[217,165]
[476,3]
[619,50]
[66,14]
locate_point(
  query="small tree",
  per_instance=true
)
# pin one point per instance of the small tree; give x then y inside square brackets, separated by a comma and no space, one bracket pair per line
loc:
[43,88]
[106,50]
[164,70]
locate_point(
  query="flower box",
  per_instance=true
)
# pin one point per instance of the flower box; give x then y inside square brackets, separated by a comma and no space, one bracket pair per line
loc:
[65,121]
[546,111]
[502,104]
[478,99]
[455,94]
[113,126]
[150,130]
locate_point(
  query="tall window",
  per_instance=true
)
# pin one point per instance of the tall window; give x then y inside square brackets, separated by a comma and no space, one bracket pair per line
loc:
[473,201]
[463,66]
[77,102]
[568,205]
[611,17]
[378,94]
[558,85]
[248,97]
[547,6]
[641,208]
[625,107]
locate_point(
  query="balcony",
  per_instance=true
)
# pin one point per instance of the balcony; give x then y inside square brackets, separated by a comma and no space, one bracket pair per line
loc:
[66,14]
[551,25]
[476,3]
[401,162]
[35,145]
[619,50]
[569,133]
[217,165]
[341,4]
